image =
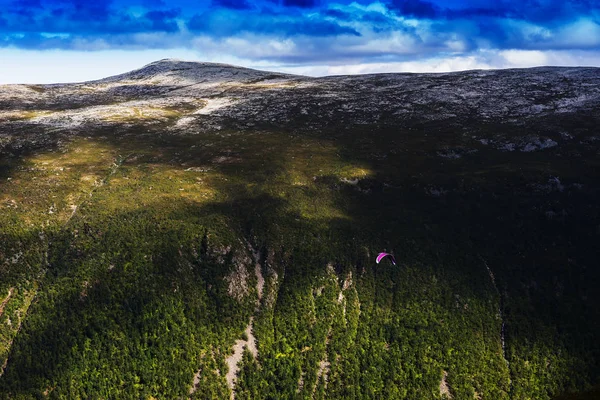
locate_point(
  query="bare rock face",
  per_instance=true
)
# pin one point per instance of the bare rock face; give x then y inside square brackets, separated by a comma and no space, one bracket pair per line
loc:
[192,97]
[237,281]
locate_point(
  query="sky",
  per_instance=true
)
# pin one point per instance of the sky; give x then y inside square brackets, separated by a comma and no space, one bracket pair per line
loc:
[47,41]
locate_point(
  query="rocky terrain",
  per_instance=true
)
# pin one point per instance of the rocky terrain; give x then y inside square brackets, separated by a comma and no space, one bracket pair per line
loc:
[204,230]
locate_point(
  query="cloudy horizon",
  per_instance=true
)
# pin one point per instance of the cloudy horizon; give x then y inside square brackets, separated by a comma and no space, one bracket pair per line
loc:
[49,41]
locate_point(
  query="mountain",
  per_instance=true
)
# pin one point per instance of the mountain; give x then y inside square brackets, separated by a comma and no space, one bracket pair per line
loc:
[187,229]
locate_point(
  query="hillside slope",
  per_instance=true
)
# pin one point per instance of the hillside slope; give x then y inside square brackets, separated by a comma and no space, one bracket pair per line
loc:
[156,223]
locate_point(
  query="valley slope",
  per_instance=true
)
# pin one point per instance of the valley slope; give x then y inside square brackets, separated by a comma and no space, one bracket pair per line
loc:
[153,220]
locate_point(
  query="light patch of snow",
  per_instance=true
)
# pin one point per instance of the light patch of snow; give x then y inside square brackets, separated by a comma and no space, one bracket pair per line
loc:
[184,121]
[15,259]
[352,182]
[436,192]
[566,135]
[554,181]
[571,103]
[215,104]
[198,169]
[131,110]
[507,147]
[225,160]
[537,108]
[539,145]
[450,154]
[546,144]
[529,147]
[554,185]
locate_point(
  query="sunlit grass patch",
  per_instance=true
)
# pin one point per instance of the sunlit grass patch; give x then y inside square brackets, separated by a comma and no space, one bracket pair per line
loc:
[47,185]
[37,88]
[16,115]
[139,114]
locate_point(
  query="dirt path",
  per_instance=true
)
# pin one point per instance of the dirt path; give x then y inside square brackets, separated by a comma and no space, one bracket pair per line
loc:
[3,304]
[501,315]
[114,168]
[493,279]
[324,366]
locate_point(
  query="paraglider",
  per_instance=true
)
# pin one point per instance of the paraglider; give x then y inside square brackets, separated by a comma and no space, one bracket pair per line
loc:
[381,256]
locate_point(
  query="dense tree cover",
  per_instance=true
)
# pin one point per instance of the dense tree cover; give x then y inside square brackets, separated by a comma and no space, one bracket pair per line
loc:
[132,296]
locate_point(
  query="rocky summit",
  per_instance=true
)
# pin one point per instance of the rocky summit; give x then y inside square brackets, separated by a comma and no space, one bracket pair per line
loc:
[198,230]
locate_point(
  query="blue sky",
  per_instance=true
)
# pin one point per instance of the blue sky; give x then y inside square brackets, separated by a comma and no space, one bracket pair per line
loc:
[70,40]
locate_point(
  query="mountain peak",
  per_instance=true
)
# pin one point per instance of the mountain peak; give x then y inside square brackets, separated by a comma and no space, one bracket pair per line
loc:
[172,70]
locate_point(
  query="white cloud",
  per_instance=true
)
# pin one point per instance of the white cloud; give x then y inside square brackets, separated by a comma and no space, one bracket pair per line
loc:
[57,66]
[484,59]
[23,66]
[524,58]
[583,33]
[249,46]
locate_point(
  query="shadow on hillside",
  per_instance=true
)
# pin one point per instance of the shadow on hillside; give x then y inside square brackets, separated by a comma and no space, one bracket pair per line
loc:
[491,216]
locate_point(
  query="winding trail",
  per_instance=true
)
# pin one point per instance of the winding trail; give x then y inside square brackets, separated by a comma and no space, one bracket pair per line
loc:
[3,304]
[501,314]
[28,300]
[324,367]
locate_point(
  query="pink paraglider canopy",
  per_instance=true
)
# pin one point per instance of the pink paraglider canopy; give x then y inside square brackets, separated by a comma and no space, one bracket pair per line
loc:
[382,255]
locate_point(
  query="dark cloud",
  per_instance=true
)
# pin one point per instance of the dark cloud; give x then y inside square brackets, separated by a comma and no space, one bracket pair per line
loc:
[338,14]
[27,4]
[233,4]
[376,19]
[222,25]
[312,25]
[163,20]
[300,3]
[295,3]
[537,11]
[478,13]
[84,17]
[153,3]
[415,8]
[86,10]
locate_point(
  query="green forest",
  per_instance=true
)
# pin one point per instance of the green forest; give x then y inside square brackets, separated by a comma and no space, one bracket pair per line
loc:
[128,265]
